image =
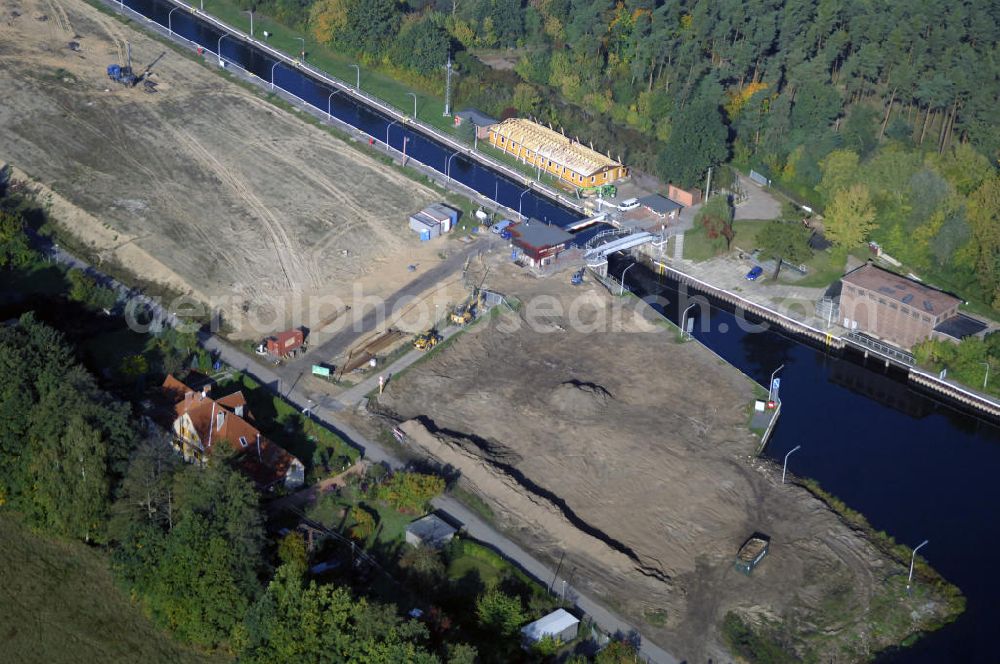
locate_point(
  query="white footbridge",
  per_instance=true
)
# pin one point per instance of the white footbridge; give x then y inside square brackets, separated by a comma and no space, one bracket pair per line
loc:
[596,256]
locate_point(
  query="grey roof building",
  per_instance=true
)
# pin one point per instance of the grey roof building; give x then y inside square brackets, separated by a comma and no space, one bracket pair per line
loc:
[540,242]
[661,206]
[429,531]
[560,625]
[476,117]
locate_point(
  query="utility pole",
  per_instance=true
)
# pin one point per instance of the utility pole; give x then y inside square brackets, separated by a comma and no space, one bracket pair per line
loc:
[708,184]
[447,88]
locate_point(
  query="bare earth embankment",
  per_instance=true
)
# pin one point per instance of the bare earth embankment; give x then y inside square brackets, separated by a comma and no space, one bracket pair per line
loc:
[631,453]
[203,185]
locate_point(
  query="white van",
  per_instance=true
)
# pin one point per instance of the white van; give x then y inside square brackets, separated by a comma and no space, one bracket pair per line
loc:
[501,226]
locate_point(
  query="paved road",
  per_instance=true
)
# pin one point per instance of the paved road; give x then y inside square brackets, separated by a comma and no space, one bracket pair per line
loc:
[350,397]
[370,319]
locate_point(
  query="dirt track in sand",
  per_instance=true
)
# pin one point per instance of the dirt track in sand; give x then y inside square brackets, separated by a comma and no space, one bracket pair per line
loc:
[631,453]
[203,185]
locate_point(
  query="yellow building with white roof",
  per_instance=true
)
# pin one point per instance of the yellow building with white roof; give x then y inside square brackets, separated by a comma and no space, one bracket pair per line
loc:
[555,153]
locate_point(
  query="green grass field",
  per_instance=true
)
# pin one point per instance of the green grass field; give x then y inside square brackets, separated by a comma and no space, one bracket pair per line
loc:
[58,603]
[698,247]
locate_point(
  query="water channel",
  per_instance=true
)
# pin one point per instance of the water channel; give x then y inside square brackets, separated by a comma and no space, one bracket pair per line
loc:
[916,468]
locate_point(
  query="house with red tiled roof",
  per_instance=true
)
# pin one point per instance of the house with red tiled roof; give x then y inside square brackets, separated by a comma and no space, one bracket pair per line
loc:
[201,424]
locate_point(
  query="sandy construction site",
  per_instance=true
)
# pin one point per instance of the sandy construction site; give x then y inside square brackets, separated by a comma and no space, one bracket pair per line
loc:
[596,433]
[203,185]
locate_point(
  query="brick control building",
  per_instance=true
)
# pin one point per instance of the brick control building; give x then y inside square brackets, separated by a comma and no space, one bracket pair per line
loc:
[893,308]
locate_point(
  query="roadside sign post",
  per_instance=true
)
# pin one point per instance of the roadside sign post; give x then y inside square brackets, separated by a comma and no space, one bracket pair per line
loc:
[772,393]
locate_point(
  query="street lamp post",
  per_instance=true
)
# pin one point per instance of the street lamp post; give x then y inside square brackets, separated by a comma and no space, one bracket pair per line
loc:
[387,132]
[519,203]
[218,49]
[203,5]
[784,468]
[276,63]
[358,84]
[414,104]
[250,11]
[684,319]
[447,166]
[913,556]
[770,387]
[170,27]
[987,378]
[624,272]
[329,101]
[302,53]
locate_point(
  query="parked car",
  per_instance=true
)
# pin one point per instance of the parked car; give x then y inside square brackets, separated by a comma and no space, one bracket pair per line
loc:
[754,273]
[628,204]
[501,226]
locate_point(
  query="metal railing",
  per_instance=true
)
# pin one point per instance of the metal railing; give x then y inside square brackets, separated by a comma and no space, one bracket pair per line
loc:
[884,349]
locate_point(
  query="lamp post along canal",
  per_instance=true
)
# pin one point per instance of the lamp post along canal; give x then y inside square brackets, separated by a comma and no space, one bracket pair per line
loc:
[784,468]
[913,557]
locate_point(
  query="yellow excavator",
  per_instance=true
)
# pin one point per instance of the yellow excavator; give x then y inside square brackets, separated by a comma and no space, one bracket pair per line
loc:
[427,340]
[465,312]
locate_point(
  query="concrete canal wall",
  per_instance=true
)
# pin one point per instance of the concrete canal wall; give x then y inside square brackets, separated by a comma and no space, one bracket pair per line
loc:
[958,395]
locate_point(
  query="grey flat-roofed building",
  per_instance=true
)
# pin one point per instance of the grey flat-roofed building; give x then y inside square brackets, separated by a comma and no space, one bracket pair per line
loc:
[539,242]
[959,327]
[433,221]
[476,118]
[429,531]
[661,206]
[560,624]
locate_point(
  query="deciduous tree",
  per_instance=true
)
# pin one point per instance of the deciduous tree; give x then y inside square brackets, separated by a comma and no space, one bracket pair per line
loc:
[15,250]
[984,219]
[784,241]
[850,217]
[501,612]
[716,217]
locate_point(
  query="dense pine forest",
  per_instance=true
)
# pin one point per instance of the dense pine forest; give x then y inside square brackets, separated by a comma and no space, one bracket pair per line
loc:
[781,74]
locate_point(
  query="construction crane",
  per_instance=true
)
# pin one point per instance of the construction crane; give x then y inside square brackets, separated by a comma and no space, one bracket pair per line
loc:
[125,75]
